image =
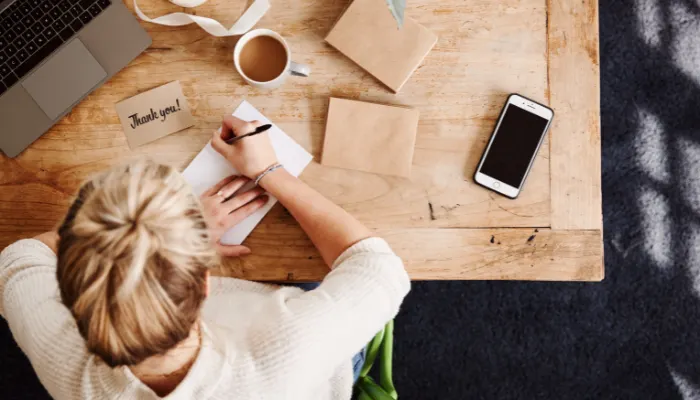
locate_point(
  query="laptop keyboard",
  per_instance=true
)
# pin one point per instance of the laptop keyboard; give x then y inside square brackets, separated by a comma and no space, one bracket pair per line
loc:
[30,30]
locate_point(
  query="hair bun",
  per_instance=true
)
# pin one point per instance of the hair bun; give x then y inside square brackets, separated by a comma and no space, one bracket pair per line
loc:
[132,261]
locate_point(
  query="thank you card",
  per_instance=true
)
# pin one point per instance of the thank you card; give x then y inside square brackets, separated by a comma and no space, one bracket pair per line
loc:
[154,114]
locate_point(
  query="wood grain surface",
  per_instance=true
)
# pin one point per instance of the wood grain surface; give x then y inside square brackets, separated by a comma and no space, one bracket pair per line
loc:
[513,254]
[438,220]
[574,90]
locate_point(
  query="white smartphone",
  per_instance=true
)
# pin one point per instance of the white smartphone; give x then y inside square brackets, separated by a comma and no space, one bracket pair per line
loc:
[513,146]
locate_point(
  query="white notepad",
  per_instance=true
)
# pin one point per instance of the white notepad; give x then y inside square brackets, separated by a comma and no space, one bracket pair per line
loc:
[209,167]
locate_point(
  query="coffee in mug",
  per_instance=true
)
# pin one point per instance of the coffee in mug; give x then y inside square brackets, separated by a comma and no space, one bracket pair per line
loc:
[262,57]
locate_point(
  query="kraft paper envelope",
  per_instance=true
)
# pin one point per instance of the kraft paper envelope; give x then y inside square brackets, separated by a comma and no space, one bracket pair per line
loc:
[209,168]
[154,114]
[368,34]
[370,137]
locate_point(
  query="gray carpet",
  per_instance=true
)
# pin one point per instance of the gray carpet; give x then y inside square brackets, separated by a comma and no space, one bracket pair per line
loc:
[634,336]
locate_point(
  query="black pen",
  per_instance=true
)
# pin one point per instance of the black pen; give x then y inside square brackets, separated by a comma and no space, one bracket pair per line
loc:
[257,130]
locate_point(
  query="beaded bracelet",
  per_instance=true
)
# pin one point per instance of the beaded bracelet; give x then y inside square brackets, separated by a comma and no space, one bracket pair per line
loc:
[267,171]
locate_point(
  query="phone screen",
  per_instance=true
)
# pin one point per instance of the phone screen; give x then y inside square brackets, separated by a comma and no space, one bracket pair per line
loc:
[514,145]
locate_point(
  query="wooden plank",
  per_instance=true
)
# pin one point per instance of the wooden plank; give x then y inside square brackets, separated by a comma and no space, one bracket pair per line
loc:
[574,84]
[279,253]
[63,159]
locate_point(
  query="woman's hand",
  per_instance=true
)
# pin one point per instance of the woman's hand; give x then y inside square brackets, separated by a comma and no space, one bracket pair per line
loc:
[222,210]
[251,156]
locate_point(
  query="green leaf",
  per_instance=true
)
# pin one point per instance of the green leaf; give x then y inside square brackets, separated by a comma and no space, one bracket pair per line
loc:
[362,395]
[372,351]
[370,387]
[386,361]
[397,8]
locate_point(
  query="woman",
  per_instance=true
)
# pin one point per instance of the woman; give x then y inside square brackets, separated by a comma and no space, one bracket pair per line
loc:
[139,317]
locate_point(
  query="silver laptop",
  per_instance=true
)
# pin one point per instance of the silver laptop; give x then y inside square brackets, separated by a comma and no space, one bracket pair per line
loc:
[53,53]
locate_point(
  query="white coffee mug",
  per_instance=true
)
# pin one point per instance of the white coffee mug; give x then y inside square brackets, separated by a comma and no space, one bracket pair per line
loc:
[292,68]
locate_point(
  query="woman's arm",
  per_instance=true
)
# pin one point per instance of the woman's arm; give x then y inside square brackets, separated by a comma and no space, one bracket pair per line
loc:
[41,325]
[330,228]
[50,239]
[302,338]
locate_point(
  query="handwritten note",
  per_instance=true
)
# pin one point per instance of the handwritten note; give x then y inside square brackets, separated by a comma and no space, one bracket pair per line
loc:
[208,168]
[154,114]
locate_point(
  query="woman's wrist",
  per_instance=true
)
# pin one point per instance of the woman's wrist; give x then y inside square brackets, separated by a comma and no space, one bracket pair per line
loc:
[254,173]
[273,167]
[269,180]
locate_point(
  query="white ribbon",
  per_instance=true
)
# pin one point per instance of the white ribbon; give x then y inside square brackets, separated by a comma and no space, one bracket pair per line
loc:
[249,18]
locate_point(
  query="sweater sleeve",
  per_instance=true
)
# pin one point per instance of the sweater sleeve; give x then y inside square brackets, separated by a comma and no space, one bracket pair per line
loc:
[306,336]
[41,325]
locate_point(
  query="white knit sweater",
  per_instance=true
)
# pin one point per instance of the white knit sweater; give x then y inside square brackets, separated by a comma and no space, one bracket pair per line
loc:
[259,341]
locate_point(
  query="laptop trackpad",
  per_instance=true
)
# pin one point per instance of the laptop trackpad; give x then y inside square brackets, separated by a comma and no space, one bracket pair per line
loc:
[64,79]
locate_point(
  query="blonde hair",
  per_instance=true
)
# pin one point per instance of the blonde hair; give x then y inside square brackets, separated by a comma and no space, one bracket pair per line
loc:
[132,261]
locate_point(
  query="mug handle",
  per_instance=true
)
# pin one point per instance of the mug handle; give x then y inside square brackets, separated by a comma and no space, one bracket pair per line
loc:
[297,69]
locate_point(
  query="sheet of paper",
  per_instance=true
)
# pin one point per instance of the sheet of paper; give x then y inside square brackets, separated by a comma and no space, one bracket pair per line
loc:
[154,114]
[209,167]
[249,18]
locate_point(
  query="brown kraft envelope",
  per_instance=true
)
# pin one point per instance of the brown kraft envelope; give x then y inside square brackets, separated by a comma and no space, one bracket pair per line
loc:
[368,34]
[370,137]
[154,114]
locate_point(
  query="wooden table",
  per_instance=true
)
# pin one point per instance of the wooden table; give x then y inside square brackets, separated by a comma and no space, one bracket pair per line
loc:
[442,224]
